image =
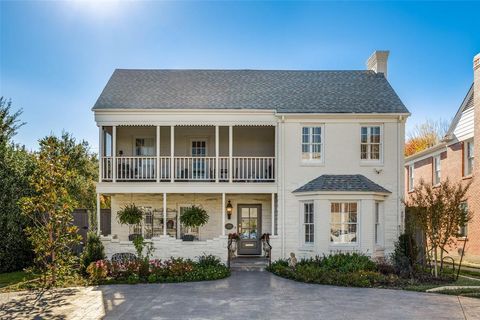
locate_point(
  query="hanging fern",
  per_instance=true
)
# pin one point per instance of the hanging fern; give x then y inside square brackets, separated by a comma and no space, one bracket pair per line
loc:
[193,217]
[130,214]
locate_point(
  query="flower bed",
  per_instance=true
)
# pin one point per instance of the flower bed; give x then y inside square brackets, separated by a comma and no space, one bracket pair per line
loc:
[207,267]
[351,270]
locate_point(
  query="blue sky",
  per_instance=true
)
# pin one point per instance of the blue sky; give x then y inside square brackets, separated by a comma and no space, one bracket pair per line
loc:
[56,57]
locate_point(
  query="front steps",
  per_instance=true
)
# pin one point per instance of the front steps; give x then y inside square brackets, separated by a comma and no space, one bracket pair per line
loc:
[249,263]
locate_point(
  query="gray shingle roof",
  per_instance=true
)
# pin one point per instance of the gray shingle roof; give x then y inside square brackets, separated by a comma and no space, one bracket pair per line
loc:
[342,182]
[284,91]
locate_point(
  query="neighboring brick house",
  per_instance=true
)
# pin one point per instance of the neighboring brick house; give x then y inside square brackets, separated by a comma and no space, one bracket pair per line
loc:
[455,158]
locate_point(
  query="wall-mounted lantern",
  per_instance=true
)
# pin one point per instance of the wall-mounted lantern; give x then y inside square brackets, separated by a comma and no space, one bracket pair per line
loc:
[229,210]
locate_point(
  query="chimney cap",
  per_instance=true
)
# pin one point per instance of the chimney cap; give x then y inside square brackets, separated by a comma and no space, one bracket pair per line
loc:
[378,61]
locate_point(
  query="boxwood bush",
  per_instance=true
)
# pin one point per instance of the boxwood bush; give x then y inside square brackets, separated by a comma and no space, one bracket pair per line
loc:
[342,269]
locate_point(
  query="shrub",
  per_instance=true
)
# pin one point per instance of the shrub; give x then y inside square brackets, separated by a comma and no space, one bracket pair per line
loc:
[93,251]
[405,255]
[98,270]
[208,260]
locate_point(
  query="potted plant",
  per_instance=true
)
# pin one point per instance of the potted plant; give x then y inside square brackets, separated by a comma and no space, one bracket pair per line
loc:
[130,214]
[193,217]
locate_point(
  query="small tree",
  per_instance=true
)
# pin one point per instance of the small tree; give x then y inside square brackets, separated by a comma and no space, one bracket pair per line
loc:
[93,251]
[425,135]
[50,210]
[439,214]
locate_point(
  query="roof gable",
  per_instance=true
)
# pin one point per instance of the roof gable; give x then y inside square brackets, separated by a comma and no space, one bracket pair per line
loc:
[284,91]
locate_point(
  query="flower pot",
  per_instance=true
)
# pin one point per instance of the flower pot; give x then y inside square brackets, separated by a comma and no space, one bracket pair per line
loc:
[188,237]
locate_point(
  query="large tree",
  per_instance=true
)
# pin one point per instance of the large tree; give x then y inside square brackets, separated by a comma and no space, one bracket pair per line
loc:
[439,213]
[425,135]
[50,210]
[16,165]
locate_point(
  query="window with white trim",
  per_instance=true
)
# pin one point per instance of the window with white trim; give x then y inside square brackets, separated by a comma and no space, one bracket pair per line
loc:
[463,228]
[411,177]
[312,144]
[343,222]
[377,222]
[308,222]
[436,170]
[469,157]
[371,143]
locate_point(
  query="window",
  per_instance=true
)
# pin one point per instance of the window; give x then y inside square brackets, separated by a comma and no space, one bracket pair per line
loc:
[463,229]
[371,143]
[377,222]
[199,148]
[144,147]
[436,170]
[469,158]
[343,223]
[312,143]
[411,177]
[308,223]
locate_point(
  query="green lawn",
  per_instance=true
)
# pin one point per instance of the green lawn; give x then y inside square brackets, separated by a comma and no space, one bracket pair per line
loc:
[7,279]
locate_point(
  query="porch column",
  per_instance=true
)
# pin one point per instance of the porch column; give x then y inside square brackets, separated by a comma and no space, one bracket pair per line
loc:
[172,151]
[275,161]
[157,172]
[165,214]
[223,214]
[230,153]
[217,150]
[100,153]
[114,153]
[273,214]
[99,229]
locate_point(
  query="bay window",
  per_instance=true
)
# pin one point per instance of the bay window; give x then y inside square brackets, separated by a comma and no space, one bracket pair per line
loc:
[343,222]
[308,223]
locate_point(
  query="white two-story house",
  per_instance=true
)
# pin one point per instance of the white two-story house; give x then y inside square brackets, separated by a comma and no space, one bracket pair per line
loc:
[313,158]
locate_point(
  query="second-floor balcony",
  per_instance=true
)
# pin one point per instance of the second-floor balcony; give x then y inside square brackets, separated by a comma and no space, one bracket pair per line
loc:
[187,154]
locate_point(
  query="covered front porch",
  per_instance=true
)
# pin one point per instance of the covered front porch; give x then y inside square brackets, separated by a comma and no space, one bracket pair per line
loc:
[248,215]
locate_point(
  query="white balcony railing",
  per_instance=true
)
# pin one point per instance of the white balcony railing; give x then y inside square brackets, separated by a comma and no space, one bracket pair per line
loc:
[139,168]
[194,168]
[253,169]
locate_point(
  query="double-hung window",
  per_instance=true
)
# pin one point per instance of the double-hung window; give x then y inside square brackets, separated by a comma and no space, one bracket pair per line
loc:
[468,158]
[308,222]
[312,143]
[377,222]
[371,143]
[411,177]
[343,222]
[436,170]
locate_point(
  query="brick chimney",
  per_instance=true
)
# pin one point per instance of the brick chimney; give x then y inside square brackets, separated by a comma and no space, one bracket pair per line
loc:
[378,62]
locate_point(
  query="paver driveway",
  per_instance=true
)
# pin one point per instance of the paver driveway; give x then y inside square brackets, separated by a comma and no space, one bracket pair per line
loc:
[261,295]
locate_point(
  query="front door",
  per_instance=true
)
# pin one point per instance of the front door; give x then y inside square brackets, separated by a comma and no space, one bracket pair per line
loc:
[249,228]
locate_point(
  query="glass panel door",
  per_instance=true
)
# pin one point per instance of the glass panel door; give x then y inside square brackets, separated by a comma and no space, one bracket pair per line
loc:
[249,229]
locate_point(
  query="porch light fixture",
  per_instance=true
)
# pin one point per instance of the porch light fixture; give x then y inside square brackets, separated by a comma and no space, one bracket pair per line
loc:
[229,210]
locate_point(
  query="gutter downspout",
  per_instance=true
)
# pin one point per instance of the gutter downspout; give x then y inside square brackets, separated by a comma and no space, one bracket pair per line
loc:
[282,123]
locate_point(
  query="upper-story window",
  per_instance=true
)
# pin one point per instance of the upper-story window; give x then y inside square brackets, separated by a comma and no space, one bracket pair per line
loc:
[436,169]
[371,143]
[144,146]
[312,144]
[411,177]
[469,156]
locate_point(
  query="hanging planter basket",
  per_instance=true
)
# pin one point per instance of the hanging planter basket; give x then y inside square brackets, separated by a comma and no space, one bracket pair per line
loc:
[130,214]
[193,217]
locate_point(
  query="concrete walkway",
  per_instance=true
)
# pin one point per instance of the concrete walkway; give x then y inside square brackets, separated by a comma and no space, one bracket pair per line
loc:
[245,295]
